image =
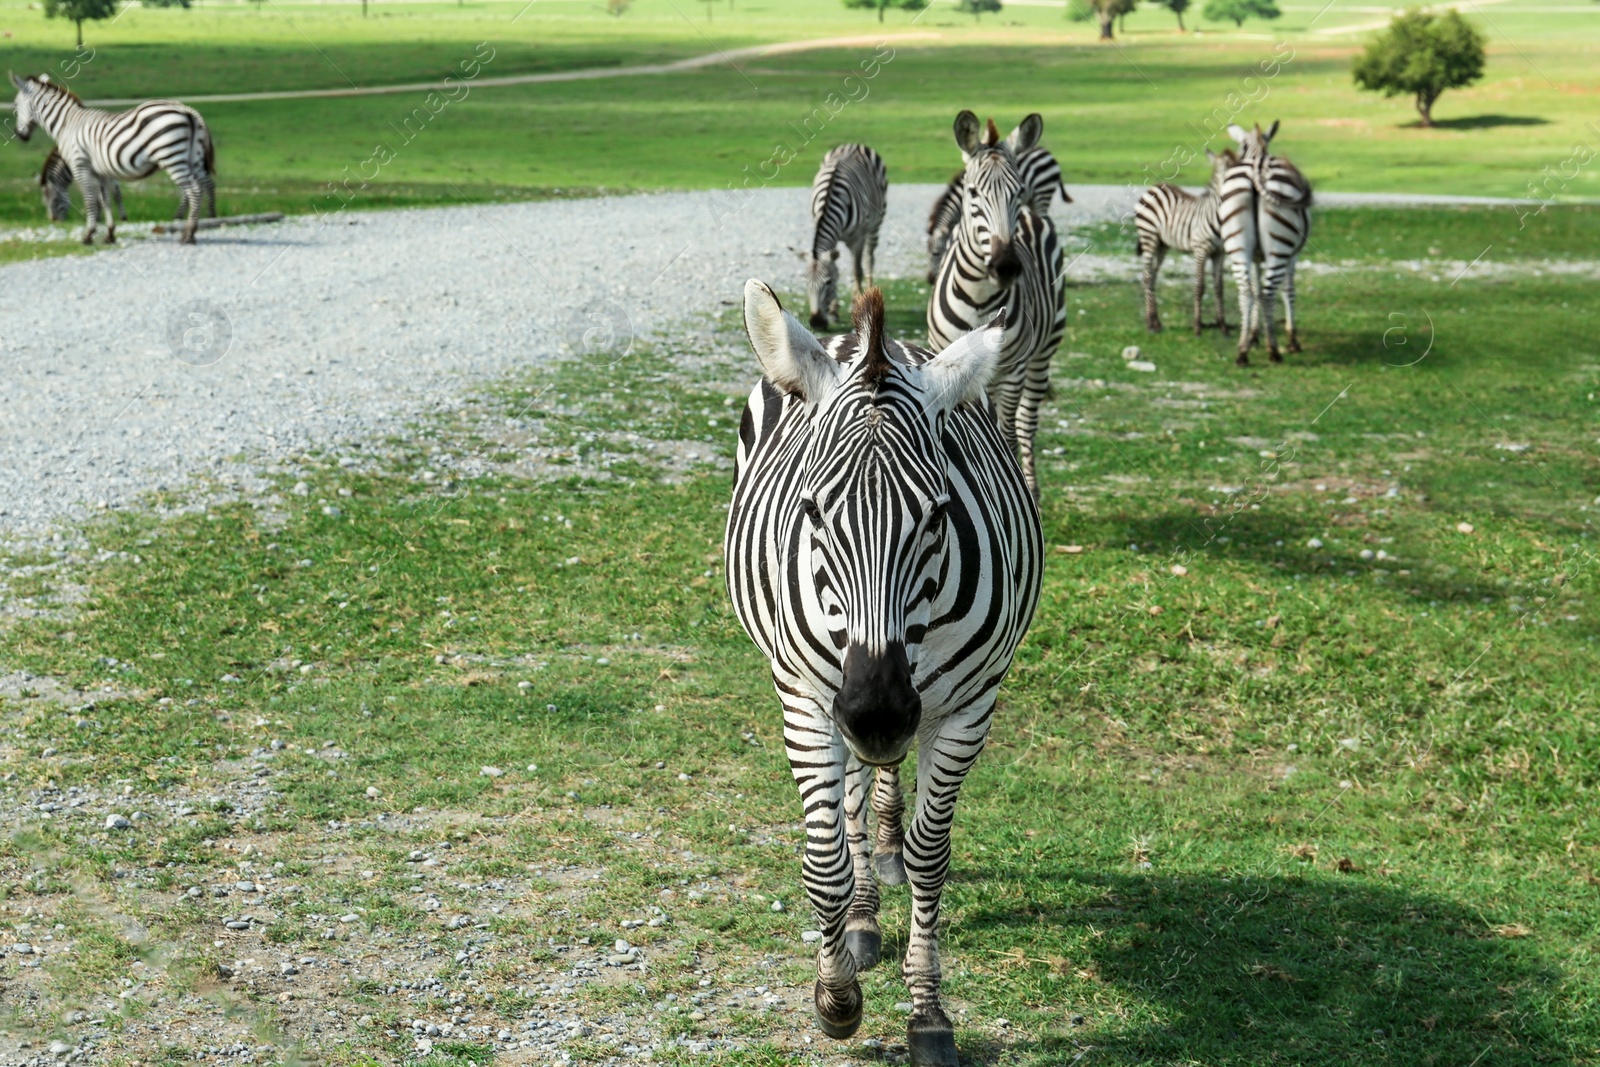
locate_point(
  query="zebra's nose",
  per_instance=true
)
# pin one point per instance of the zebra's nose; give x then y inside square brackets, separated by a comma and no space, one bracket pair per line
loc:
[819,321]
[877,708]
[1003,262]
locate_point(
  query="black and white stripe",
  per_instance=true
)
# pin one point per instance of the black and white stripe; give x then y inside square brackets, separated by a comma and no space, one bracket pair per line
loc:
[848,197]
[1040,175]
[1167,217]
[885,553]
[55,185]
[1003,256]
[1236,214]
[100,147]
[1283,225]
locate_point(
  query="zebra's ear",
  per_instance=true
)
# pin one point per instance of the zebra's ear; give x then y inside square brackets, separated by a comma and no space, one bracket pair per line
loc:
[790,356]
[14,79]
[960,374]
[1027,133]
[1272,131]
[967,129]
[1237,132]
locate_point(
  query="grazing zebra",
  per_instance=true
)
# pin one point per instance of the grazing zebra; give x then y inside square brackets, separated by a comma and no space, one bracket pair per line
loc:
[847,201]
[1168,217]
[885,554]
[1283,224]
[100,147]
[55,185]
[1040,174]
[1003,256]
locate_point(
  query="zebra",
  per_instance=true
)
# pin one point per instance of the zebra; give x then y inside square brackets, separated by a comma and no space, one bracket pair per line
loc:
[847,202]
[1283,225]
[100,147]
[1168,217]
[1040,173]
[55,185]
[1003,255]
[1236,216]
[885,553]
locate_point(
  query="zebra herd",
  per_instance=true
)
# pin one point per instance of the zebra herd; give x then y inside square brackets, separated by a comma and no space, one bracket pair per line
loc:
[1256,214]
[884,547]
[98,149]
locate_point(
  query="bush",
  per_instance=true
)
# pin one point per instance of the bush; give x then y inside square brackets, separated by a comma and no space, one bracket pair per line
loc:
[1236,11]
[1424,55]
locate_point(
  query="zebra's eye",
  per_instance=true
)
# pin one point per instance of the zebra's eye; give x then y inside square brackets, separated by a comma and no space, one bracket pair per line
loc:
[813,512]
[936,516]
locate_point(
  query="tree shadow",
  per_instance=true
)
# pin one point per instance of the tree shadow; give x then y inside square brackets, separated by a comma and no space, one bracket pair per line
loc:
[1480,122]
[1315,969]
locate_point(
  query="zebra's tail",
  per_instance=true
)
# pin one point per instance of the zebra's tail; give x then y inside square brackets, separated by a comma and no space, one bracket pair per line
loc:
[1066,197]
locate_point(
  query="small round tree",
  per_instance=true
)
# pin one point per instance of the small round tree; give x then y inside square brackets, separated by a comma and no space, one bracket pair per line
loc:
[1421,54]
[1236,11]
[1104,12]
[976,8]
[880,5]
[80,11]
[1177,7]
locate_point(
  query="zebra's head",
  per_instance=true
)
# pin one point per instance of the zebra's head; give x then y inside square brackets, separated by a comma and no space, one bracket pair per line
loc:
[871,505]
[1220,162]
[55,185]
[993,193]
[23,119]
[822,286]
[1253,144]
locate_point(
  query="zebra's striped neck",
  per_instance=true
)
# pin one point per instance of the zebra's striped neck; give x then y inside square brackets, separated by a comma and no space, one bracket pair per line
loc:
[52,106]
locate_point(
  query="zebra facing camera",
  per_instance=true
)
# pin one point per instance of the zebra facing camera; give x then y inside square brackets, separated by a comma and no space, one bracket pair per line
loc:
[600,333]
[199,333]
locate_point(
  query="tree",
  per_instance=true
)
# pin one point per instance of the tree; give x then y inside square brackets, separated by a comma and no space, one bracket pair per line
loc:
[1422,54]
[1236,11]
[976,8]
[168,3]
[1177,7]
[909,5]
[80,11]
[1105,12]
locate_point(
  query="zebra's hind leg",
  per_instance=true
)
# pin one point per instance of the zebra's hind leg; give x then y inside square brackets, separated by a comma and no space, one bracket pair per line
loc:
[1222,303]
[872,254]
[1288,309]
[817,759]
[944,755]
[861,933]
[889,805]
[1271,279]
[1154,254]
[858,252]
[191,199]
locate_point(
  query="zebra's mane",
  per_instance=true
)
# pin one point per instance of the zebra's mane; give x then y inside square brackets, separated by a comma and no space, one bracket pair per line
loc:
[952,191]
[43,82]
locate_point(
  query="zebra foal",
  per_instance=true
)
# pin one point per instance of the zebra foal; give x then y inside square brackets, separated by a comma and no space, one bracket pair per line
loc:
[1169,217]
[848,197]
[1003,256]
[101,148]
[884,553]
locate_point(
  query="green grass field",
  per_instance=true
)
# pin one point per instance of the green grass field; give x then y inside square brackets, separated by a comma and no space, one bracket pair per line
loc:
[1121,113]
[1293,768]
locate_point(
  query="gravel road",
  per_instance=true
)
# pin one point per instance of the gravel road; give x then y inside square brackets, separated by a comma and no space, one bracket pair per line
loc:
[139,367]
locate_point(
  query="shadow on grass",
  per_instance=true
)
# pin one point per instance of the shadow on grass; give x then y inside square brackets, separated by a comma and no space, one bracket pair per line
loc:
[1482,122]
[1309,970]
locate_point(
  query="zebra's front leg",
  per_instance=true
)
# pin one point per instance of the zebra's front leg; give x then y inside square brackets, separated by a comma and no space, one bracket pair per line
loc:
[1201,261]
[91,207]
[110,194]
[1288,310]
[889,805]
[1035,385]
[817,758]
[861,933]
[944,755]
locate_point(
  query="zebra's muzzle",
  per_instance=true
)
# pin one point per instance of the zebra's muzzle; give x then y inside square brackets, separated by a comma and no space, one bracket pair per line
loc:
[877,708]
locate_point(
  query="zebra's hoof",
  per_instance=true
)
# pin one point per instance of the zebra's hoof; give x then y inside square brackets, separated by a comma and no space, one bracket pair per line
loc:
[1243,360]
[866,946]
[890,868]
[932,1042]
[839,1014]
[1294,344]
[1275,356]
[111,238]
[1153,327]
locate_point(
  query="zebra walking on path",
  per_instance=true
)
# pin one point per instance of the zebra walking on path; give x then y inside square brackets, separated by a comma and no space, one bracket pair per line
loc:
[1282,216]
[1168,217]
[1003,256]
[100,147]
[885,553]
[1040,174]
[848,197]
